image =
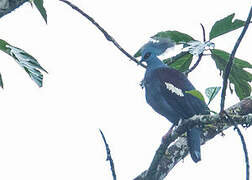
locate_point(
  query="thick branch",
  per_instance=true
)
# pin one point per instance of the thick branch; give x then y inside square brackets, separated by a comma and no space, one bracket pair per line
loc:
[167,155]
[6,6]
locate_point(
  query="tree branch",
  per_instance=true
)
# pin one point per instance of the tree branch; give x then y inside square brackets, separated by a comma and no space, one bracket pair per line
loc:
[6,6]
[230,61]
[225,81]
[109,157]
[107,36]
[245,152]
[167,155]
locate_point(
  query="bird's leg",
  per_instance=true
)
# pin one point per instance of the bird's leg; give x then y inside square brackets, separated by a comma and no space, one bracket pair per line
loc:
[164,138]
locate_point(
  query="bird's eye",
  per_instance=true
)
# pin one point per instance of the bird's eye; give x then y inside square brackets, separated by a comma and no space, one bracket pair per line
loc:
[147,55]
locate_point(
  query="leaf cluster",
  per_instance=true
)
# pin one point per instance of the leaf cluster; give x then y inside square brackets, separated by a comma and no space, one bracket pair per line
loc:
[25,60]
[239,77]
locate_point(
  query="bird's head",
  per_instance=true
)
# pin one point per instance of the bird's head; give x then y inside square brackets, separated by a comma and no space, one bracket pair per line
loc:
[154,48]
[147,56]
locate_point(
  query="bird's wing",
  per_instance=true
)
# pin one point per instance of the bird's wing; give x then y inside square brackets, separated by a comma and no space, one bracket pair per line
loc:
[174,85]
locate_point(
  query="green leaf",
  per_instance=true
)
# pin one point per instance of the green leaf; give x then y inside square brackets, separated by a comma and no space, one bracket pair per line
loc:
[181,62]
[238,76]
[211,92]
[138,53]
[197,94]
[3,46]
[175,36]
[25,60]
[40,7]
[225,25]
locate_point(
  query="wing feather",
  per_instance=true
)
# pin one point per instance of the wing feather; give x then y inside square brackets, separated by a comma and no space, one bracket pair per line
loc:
[173,83]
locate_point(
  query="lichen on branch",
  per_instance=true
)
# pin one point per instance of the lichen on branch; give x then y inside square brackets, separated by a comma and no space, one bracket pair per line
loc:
[175,149]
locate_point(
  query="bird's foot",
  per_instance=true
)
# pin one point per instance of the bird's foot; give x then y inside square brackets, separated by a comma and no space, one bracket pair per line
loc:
[142,83]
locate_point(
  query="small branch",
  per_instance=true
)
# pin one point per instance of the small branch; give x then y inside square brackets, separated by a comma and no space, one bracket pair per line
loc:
[204,32]
[200,55]
[107,36]
[230,61]
[244,146]
[109,157]
[245,152]
[195,65]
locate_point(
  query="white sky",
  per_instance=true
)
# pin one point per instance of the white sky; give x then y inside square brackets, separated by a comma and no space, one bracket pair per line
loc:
[51,133]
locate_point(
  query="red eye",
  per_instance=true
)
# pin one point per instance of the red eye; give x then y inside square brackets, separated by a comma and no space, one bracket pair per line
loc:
[147,55]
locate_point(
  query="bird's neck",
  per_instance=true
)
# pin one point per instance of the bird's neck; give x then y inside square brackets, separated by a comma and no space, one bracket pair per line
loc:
[154,64]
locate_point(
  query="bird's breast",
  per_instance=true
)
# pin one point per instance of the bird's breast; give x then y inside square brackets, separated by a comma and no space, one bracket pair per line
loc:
[156,100]
[152,93]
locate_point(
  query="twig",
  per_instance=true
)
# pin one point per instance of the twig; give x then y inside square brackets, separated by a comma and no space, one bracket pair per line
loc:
[107,36]
[244,146]
[245,151]
[200,55]
[204,32]
[230,61]
[109,158]
[195,65]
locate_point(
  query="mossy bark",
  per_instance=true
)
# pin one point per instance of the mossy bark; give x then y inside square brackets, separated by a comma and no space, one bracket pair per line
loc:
[170,153]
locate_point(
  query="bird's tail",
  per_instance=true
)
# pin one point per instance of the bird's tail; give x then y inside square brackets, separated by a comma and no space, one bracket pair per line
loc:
[193,140]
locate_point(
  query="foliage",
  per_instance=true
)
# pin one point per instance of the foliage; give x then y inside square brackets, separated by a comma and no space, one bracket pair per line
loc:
[194,48]
[211,92]
[181,62]
[25,60]
[39,5]
[197,94]
[238,76]
[224,26]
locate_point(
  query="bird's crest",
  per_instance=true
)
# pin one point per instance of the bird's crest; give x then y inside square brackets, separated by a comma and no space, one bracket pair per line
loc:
[158,45]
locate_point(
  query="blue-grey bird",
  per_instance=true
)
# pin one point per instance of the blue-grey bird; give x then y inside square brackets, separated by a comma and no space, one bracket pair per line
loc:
[165,92]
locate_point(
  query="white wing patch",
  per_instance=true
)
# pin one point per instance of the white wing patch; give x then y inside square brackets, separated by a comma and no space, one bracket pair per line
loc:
[174,89]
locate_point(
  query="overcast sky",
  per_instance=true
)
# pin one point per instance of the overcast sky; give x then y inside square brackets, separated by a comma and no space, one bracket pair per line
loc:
[51,133]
